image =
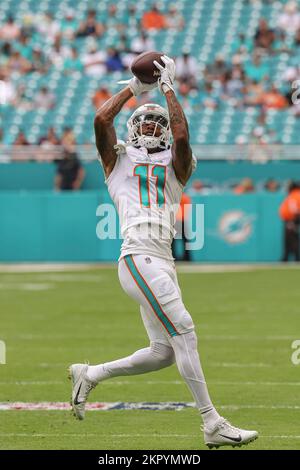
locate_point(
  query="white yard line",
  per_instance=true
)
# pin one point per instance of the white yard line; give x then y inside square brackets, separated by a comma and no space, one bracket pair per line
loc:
[107,406]
[26,286]
[152,382]
[126,436]
[53,267]
[181,267]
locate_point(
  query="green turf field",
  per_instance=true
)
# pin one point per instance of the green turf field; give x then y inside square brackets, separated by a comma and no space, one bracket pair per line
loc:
[246,322]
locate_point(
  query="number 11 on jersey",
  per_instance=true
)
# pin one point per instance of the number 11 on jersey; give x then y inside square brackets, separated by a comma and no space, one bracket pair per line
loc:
[143,172]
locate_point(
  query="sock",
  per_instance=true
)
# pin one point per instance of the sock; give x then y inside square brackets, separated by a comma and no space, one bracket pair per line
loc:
[189,366]
[155,357]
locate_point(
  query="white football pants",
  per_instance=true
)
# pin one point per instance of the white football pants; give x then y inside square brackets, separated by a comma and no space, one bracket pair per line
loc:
[152,282]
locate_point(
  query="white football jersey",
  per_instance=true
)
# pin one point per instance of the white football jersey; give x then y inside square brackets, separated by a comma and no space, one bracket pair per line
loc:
[147,194]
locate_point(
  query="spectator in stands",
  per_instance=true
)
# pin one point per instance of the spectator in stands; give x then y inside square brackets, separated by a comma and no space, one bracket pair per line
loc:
[91,27]
[245,186]
[47,26]
[23,46]
[242,45]
[101,95]
[297,38]
[69,25]
[232,88]
[153,19]
[73,63]
[59,52]
[5,53]
[18,64]
[139,44]
[256,69]
[49,139]
[44,99]
[94,61]
[208,97]
[68,137]
[273,99]
[174,19]
[21,139]
[289,20]
[22,101]
[7,90]
[264,36]
[187,70]
[10,30]
[112,20]
[113,60]
[215,70]
[38,61]
[290,214]
[271,185]
[70,173]
[134,21]
[262,131]
[252,93]
[142,43]
[280,44]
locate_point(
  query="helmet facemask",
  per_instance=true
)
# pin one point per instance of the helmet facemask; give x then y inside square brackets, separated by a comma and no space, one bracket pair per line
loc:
[149,114]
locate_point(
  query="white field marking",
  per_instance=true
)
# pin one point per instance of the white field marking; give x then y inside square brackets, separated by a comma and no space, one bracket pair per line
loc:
[203,337]
[228,365]
[246,338]
[239,365]
[84,435]
[116,406]
[56,277]
[189,268]
[226,268]
[152,382]
[213,364]
[126,436]
[32,382]
[53,267]
[26,286]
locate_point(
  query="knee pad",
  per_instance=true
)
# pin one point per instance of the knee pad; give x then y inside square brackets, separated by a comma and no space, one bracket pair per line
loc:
[162,352]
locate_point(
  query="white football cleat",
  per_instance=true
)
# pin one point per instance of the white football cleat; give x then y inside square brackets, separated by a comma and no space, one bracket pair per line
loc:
[224,434]
[81,387]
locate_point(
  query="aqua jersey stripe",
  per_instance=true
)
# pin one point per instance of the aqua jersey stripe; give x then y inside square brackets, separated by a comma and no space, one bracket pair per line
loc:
[150,297]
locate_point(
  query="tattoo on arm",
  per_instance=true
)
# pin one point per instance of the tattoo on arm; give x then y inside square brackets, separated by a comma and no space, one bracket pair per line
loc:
[182,153]
[105,132]
[113,106]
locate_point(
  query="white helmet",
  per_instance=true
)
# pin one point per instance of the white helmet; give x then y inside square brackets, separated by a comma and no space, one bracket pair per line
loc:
[149,113]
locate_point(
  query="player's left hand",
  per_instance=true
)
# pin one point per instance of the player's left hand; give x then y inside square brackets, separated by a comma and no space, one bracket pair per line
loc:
[167,77]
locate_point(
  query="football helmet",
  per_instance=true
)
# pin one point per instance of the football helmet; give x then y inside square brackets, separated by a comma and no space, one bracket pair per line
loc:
[149,114]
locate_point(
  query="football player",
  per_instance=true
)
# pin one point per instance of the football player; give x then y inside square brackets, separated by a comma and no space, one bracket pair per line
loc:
[145,178]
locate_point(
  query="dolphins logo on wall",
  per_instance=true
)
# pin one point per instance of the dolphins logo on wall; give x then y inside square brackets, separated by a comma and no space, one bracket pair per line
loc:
[235,226]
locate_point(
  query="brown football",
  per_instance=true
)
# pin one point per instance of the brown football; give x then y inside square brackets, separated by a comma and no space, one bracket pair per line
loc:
[144,69]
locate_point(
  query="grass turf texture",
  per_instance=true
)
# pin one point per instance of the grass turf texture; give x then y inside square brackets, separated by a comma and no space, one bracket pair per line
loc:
[245,322]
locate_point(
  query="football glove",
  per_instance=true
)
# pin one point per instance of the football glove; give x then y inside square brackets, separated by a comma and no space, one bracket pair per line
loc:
[167,74]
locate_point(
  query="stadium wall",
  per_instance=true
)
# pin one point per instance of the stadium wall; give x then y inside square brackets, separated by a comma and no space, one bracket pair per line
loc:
[49,226]
[40,176]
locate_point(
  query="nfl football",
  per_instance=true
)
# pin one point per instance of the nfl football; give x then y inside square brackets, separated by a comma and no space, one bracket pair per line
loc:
[144,69]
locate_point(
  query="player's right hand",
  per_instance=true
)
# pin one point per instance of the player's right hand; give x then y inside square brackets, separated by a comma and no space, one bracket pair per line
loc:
[137,87]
